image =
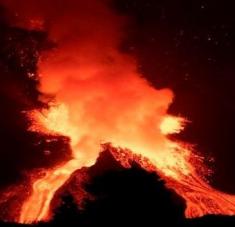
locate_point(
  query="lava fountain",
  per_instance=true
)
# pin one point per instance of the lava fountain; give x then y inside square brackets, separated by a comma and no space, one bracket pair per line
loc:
[100,97]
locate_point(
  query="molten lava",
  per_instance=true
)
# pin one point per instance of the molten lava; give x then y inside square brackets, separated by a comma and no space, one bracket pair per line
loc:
[100,97]
[169,157]
[176,165]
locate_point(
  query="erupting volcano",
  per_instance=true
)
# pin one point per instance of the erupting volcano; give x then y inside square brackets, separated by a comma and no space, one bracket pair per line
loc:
[95,95]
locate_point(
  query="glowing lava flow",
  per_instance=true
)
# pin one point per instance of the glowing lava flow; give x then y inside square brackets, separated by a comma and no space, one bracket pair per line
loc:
[101,97]
[173,165]
[37,206]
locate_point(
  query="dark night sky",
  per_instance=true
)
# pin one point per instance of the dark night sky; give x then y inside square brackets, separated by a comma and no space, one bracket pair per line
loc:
[186,45]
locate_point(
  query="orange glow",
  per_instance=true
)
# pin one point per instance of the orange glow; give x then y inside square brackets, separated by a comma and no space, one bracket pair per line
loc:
[171,125]
[37,206]
[173,161]
[101,97]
